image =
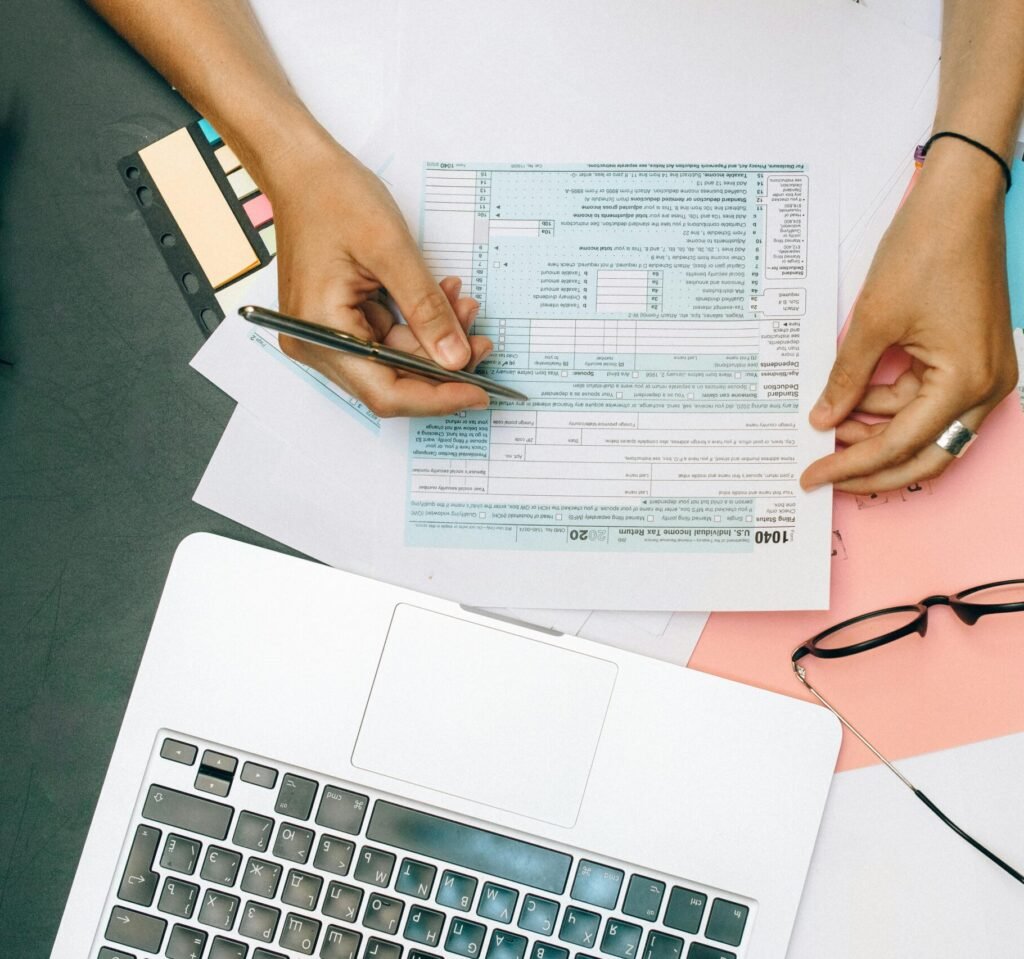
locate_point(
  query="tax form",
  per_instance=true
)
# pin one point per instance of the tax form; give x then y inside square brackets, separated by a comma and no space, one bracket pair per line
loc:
[653,313]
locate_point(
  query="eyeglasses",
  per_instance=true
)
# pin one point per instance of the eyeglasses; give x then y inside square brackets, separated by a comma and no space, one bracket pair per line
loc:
[871,630]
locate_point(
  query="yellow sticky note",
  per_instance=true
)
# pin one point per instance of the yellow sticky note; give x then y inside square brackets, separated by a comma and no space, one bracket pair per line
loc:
[227,159]
[199,208]
[243,184]
[269,237]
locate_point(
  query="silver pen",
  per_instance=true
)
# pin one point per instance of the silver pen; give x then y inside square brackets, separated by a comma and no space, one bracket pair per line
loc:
[370,350]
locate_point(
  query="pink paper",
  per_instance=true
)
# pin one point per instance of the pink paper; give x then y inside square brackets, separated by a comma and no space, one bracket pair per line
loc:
[258,210]
[959,684]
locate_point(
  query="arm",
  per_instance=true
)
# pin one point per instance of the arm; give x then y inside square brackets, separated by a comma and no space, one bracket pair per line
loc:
[340,242]
[937,286]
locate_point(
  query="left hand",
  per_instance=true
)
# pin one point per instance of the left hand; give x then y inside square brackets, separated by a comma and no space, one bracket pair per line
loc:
[937,288]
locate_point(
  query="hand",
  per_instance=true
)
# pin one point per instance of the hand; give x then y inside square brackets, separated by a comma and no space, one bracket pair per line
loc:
[937,288]
[341,238]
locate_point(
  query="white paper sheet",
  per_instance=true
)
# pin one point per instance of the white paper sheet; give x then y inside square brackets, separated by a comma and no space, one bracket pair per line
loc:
[309,419]
[889,880]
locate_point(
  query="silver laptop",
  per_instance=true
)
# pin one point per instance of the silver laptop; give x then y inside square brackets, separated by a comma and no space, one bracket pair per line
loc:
[317,764]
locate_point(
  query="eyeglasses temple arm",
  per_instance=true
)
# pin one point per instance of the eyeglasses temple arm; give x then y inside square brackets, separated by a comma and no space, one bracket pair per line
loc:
[801,674]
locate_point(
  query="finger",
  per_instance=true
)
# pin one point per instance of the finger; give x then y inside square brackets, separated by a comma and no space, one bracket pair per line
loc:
[380,319]
[917,425]
[452,287]
[855,362]
[854,431]
[426,308]
[930,462]
[466,309]
[889,398]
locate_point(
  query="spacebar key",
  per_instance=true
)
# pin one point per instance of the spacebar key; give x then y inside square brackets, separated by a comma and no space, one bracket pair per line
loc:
[193,813]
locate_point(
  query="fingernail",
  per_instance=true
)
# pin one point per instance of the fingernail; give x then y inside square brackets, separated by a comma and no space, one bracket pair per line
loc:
[480,406]
[486,353]
[822,409]
[453,349]
[473,314]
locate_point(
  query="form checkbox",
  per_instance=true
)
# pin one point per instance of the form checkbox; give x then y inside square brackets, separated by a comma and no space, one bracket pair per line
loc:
[718,519]
[618,396]
[650,519]
[565,372]
[481,516]
[635,374]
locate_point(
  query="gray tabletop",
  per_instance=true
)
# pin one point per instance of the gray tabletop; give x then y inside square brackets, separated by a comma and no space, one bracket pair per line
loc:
[104,434]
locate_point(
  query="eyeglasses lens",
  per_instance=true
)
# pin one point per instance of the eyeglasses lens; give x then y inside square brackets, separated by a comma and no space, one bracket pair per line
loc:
[997,595]
[868,629]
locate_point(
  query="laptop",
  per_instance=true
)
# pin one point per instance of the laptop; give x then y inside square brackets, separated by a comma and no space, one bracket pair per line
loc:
[317,764]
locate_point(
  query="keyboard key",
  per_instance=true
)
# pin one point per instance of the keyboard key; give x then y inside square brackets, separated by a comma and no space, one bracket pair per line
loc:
[252,831]
[267,954]
[382,949]
[334,854]
[538,915]
[299,934]
[579,927]
[214,785]
[621,939]
[726,922]
[506,945]
[295,800]
[699,951]
[181,854]
[383,913]
[597,884]
[138,881]
[185,942]
[643,898]
[342,810]
[456,890]
[219,762]
[259,775]
[340,943]
[191,813]
[497,902]
[218,909]
[293,842]
[259,922]
[374,866]
[302,889]
[465,938]
[261,878]
[415,879]
[220,866]
[107,953]
[417,954]
[545,950]
[342,902]
[227,949]
[660,945]
[178,752]
[178,898]
[127,927]
[685,909]
[424,926]
[470,847]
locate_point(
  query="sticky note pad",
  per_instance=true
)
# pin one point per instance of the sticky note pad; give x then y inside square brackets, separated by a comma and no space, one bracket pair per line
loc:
[269,237]
[212,136]
[243,184]
[1015,245]
[199,208]
[258,210]
[227,159]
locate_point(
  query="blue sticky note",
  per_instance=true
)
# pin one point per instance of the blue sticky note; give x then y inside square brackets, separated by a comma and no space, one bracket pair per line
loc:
[1015,243]
[212,136]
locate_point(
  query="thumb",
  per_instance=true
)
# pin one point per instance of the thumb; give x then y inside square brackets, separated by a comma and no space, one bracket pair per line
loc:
[427,310]
[851,373]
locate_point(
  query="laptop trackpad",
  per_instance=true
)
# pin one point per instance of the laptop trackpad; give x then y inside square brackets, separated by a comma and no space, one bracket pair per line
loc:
[480,713]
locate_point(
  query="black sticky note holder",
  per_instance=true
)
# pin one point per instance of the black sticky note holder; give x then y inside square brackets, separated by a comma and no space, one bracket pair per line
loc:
[193,284]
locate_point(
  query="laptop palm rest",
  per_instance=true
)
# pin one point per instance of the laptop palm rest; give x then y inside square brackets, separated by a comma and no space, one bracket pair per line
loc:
[473,711]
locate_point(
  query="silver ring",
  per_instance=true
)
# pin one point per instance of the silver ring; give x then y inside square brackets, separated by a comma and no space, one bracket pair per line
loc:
[956,438]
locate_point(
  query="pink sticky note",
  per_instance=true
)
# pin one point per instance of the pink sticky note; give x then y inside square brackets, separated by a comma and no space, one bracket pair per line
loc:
[258,210]
[957,685]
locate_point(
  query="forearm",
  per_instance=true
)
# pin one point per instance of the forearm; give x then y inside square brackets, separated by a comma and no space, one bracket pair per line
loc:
[981,86]
[215,54]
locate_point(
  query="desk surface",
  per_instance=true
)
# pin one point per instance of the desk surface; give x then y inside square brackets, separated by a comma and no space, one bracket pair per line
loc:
[104,434]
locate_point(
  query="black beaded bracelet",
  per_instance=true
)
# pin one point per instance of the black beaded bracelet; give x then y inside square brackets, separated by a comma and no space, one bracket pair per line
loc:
[922,151]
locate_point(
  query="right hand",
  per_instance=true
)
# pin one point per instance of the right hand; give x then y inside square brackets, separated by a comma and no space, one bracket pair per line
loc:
[341,238]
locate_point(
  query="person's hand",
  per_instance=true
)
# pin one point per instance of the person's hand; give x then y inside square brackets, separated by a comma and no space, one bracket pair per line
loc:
[937,288]
[341,238]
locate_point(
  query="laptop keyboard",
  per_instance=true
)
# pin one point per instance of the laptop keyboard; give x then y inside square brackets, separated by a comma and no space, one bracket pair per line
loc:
[234,856]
